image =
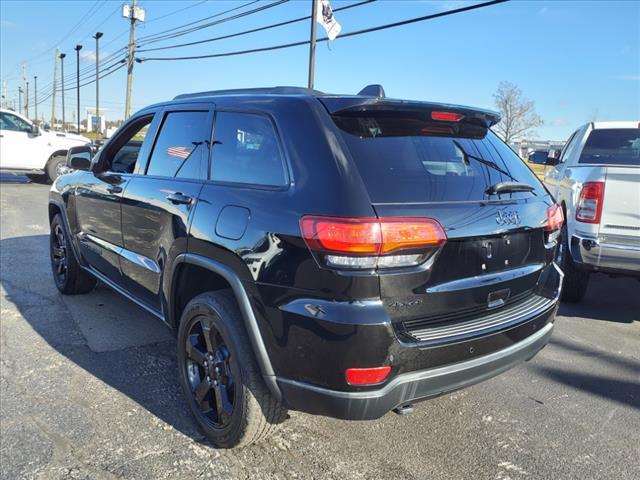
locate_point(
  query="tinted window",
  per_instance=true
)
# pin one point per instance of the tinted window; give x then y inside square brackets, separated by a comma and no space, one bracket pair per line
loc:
[13,122]
[181,147]
[246,150]
[401,161]
[126,156]
[612,146]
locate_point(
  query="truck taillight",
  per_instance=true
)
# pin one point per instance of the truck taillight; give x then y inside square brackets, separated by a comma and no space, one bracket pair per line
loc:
[367,243]
[589,208]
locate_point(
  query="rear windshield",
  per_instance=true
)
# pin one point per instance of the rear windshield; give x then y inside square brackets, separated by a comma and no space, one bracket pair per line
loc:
[612,146]
[400,161]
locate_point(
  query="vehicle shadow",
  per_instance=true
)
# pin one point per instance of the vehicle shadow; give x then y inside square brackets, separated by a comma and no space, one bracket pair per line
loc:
[608,299]
[106,335]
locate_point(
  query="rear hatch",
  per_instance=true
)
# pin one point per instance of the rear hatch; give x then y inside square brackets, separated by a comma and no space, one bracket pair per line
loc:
[442,162]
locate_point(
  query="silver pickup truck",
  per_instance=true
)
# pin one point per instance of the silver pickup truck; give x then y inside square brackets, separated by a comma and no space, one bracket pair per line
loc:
[597,182]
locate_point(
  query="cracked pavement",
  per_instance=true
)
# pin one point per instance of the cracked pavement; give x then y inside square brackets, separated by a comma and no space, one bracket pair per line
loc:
[88,390]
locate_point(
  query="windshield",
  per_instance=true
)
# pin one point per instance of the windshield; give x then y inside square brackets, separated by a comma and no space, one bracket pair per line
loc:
[612,146]
[400,161]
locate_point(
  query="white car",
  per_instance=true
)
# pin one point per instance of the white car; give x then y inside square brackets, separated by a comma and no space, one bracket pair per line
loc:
[597,182]
[24,147]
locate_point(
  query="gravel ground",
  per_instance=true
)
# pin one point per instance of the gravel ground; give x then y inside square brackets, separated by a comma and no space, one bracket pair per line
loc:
[88,389]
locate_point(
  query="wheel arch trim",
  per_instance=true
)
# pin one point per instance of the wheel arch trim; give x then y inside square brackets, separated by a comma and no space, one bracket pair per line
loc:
[249,319]
[65,223]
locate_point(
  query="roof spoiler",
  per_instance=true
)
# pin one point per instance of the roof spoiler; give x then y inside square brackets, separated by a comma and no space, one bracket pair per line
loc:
[352,105]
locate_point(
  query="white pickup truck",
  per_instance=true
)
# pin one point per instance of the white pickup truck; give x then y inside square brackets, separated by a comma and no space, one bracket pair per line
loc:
[597,182]
[26,148]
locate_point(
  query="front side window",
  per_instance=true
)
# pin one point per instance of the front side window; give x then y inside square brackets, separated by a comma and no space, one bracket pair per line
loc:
[13,123]
[246,150]
[122,155]
[612,146]
[181,149]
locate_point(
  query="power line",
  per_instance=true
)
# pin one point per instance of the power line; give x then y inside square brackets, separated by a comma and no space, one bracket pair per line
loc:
[324,39]
[254,30]
[173,29]
[175,11]
[211,24]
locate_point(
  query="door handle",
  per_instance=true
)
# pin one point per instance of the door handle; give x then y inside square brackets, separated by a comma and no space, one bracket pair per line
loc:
[114,189]
[178,198]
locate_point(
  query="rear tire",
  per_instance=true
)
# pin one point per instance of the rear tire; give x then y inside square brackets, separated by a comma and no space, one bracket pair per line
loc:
[220,376]
[68,276]
[55,166]
[576,280]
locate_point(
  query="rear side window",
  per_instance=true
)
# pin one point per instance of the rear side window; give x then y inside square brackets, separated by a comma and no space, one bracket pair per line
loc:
[246,150]
[402,160]
[612,146]
[181,148]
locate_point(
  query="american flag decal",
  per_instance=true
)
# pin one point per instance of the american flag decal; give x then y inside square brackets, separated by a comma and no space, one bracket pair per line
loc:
[180,152]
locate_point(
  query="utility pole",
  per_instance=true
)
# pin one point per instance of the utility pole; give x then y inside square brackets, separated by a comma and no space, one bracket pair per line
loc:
[97,37]
[4,93]
[53,96]
[35,97]
[20,99]
[24,85]
[26,100]
[312,44]
[134,14]
[62,55]
[77,49]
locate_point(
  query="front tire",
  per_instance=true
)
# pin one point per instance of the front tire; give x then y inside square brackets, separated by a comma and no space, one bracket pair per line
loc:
[576,280]
[67,273]
[55,167]
[219,374]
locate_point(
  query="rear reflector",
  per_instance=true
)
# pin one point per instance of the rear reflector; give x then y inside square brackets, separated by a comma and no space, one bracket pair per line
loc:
[555,218]
[366,376]
[589,209]
[447,116]
[370,236]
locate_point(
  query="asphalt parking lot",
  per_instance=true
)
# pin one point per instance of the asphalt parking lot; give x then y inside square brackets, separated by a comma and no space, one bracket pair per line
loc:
[88,389]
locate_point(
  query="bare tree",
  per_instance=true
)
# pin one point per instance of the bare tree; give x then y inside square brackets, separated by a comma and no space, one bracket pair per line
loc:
[518,113]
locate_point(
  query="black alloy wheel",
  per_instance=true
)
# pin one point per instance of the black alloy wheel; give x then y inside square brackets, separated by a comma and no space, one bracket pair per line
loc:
[59,254]
[208,370]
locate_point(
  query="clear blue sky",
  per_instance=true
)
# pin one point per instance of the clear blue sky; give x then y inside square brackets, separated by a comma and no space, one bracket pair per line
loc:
[576,60]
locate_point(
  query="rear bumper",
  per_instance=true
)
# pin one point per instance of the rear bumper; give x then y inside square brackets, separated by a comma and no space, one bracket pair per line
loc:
[413,386]
[597,255]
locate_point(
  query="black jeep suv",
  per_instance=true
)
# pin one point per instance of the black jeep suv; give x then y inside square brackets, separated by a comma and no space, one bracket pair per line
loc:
[342,255]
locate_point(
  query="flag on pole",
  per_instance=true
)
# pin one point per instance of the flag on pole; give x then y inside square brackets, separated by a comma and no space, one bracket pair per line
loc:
[324,16]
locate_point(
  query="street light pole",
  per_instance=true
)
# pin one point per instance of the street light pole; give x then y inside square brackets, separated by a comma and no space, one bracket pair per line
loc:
[77,49]
[97,37]
[312,44]
[20,99]
[62,55]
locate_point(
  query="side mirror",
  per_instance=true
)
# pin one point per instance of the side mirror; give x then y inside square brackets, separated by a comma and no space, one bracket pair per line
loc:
[79,163]
[35,130]
[79,158]
[552,161]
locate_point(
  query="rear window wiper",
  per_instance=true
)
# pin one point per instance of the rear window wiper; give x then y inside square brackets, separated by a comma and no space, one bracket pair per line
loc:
[488,163]
[509,187]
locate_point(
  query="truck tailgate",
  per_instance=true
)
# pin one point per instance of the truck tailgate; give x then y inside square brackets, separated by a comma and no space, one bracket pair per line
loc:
[621,206]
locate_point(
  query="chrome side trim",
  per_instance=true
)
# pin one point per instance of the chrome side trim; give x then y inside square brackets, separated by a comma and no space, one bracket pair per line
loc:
[135,258]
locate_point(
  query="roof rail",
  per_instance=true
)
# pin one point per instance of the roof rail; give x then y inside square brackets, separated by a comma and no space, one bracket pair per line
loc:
[372,91]
[253,91]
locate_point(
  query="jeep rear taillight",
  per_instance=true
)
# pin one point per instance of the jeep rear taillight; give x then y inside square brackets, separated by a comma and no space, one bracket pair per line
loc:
[555,219]
[589,208]
[367,243]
